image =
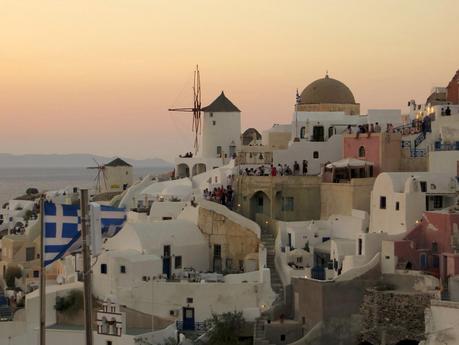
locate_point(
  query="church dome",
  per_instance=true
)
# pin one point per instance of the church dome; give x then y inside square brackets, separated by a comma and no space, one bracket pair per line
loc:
[327,90]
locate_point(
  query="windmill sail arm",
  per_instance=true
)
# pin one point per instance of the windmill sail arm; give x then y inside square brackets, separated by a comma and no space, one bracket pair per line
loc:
[190,110]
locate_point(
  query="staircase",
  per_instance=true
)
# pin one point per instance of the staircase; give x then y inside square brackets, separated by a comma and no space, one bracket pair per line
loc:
[259,328]
[268,240]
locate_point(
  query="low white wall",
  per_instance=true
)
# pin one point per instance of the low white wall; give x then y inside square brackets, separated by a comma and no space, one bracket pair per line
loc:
[358,271]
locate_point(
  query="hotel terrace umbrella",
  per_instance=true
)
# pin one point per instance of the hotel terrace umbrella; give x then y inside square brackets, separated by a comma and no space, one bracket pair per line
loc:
[348,164]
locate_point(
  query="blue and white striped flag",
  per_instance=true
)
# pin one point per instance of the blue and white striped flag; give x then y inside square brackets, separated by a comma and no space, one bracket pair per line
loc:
[63,228]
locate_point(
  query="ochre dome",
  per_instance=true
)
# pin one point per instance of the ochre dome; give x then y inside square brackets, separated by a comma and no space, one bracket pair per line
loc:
[327,90]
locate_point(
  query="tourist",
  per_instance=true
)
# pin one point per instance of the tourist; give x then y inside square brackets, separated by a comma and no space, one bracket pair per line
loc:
[296,168]
[349,129]
[377,128]
[305,167]
[280,169]
[273,170]
[448,111]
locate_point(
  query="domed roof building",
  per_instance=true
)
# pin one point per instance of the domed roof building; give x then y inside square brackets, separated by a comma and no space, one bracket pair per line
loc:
[327,94]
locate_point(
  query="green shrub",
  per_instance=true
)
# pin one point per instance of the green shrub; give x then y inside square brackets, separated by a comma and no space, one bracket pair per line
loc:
[225,328]
[71,303]
[11,273]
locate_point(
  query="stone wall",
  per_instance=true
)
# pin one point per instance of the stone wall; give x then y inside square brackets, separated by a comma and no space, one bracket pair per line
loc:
[393,315]
[305,191]
[236,241]
[341,198]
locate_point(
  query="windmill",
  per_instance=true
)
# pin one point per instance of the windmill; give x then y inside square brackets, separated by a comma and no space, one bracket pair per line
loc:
[196,109]
[100,175]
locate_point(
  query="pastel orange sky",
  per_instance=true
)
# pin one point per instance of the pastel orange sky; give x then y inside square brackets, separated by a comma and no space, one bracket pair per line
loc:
[98,76]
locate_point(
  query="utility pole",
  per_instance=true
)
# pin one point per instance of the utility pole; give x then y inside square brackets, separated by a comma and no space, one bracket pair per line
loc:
[42,274]
[86,266]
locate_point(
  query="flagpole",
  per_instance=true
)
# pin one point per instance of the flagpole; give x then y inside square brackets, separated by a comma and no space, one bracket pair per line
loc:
[42,273]
[86,266]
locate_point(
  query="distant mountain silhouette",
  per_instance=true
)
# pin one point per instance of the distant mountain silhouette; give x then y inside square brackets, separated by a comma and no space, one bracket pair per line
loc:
[74,160]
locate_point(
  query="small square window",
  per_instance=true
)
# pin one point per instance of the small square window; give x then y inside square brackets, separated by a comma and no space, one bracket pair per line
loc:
[36,274]
[122,269]
[189,300]
[103,268]
[382,202]
[315,154]
[109,342]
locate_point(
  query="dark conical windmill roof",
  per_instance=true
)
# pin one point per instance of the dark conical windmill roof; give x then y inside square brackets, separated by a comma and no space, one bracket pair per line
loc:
[118,162]
[221,104]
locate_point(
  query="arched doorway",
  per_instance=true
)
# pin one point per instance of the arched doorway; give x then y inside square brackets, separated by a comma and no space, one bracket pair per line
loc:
[260,204]
[198,168]
[182,170]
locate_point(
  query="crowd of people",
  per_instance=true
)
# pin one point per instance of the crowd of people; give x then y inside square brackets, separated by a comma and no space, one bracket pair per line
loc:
[224,196]
[279,170]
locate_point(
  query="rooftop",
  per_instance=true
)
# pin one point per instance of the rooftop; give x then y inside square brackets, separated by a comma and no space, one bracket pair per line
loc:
[221,105]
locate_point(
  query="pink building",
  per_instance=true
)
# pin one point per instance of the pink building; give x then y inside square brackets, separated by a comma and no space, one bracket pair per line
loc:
[382,149]
[432,245]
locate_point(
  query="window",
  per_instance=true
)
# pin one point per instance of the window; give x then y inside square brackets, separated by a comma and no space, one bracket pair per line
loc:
[315,154]
[361,151]
[434,247]
[167,251]
[30,253]
[178,262]
[217,250]
[397,206]
[229,264]
[36,274]
[302,132]
[282,337]
[122,269]
[360,246]
[387,257]
[382,202]
[103,268]
[435,261]
[287,203]
[214,122]
[211,114]
[299,260]
[423,185]
[109,342]
[437,201]
[219,150]
[189,300]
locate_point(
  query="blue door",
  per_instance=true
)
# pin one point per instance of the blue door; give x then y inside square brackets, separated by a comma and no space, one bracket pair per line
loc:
[188,319]
[167,267]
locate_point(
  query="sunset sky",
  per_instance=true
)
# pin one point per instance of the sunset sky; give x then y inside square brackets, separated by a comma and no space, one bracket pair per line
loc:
[98,76]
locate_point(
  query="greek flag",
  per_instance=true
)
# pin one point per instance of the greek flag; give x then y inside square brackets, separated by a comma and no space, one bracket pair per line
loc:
[63,228]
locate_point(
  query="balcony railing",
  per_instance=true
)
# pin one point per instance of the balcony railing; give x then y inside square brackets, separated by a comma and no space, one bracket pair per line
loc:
[196,327]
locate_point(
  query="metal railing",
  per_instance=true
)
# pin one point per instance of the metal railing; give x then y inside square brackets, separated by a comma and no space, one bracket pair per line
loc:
[196,327]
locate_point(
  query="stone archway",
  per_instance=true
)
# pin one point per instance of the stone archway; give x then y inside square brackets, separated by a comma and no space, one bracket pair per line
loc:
[182,170]
[260,203]
[198,168]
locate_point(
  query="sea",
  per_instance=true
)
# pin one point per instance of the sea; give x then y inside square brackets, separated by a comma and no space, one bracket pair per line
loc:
[15,181]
